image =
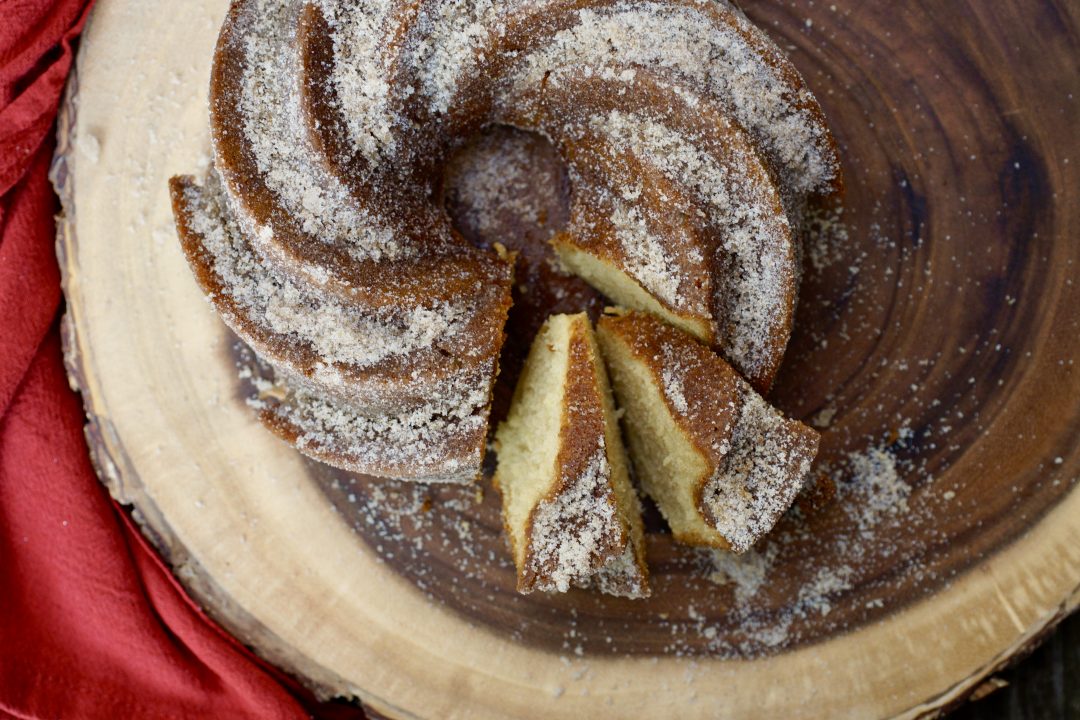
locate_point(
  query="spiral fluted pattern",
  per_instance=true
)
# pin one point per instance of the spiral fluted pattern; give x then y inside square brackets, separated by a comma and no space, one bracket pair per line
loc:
[691,143]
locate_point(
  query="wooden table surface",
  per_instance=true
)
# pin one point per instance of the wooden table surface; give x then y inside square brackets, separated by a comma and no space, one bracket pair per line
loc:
[1045,685]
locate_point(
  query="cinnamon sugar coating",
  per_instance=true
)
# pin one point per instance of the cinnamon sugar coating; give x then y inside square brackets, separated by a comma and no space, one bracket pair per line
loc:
[691,143]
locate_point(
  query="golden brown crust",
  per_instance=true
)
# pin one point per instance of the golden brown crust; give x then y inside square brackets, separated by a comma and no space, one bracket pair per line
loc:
[804,100]
[526,31]
[449,269]
[466,447]
[633,582]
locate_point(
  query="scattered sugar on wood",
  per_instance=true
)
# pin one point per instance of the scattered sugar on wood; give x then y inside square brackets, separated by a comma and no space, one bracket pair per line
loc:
[747,572]
[874,493]
[876,489]
[826,236]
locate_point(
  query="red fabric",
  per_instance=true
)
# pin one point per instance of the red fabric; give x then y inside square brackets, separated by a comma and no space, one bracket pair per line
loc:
[92,624]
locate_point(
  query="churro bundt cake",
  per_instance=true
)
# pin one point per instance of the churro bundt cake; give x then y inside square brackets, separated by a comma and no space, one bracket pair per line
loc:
[721,464]
[691,144]
[570,512]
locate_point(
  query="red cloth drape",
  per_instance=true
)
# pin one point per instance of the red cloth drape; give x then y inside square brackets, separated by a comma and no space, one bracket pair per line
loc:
[92,624]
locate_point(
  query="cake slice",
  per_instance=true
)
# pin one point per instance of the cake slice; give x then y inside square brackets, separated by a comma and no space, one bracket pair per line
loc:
[570,512]
[721,464]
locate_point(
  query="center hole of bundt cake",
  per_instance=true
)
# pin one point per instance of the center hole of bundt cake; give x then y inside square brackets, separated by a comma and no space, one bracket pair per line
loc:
[510,186]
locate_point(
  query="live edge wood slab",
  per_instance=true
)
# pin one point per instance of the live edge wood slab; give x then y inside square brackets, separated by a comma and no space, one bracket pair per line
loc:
[937,331]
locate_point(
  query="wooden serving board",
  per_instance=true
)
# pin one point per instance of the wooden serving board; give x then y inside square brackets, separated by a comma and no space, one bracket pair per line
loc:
[938,326]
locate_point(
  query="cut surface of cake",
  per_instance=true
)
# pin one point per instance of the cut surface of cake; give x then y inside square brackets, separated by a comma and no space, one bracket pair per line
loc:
[571,514]
[721,464]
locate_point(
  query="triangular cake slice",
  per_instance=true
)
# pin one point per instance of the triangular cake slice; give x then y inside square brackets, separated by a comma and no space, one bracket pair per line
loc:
[721,464]
[571,514]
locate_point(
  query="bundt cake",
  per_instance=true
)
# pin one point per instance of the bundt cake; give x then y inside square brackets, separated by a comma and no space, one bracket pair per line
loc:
[691,143]
[571,515]
[721,464]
